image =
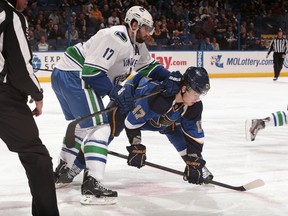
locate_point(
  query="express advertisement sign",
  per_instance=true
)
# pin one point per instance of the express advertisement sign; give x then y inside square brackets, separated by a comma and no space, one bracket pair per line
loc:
[44,62]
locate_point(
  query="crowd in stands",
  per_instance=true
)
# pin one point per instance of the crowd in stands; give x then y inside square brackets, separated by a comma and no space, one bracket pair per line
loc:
[179,24]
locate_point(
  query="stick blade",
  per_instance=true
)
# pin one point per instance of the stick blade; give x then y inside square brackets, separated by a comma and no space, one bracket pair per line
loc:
[254,184]
[248,186]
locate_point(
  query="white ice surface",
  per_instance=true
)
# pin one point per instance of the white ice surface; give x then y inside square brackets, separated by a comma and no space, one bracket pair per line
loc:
[149,191]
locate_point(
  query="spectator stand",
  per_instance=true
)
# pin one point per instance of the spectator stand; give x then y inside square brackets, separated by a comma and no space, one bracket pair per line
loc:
[263,17]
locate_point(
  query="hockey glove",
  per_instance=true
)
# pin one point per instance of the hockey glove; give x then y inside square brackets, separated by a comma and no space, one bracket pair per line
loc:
[137,155]
[172,84]
[123,98]
[193,170]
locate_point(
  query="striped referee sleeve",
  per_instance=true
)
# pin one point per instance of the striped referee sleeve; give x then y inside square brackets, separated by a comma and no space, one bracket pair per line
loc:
[2,19]
[18,55]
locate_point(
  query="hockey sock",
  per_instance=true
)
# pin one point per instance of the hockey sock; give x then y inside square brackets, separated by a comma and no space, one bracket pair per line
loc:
[278,118]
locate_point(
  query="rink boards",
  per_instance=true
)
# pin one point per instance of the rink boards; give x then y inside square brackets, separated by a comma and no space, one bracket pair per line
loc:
[219,64]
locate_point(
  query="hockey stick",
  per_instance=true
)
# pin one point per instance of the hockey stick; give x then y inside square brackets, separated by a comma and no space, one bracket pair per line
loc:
[249,186]
[70,132]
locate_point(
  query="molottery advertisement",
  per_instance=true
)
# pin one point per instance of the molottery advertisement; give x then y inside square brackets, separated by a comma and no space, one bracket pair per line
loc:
[217,63]
[238,64]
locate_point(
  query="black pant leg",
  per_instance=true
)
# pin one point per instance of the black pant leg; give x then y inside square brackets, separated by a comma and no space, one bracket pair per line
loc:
[281,61]
[20,133]
[278,63]
[40,178]
[275,62]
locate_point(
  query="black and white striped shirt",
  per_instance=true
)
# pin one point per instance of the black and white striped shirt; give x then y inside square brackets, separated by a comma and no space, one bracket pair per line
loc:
[15,53]
[278,45]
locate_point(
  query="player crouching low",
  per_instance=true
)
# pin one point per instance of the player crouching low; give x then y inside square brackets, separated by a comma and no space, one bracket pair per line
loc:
[178,117]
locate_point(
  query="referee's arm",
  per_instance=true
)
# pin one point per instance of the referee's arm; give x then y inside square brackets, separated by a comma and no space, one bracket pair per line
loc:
[17,53]
[270,48]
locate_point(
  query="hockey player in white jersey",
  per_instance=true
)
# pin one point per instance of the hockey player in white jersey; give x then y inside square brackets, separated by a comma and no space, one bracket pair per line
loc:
[252,126]
[87,72]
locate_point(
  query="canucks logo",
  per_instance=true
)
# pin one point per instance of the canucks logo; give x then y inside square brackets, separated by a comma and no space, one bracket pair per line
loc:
[121,35]
[216,60]
[36,63]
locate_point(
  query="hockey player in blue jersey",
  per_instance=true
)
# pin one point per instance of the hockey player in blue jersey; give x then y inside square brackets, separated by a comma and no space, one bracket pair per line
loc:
[178,117]
[86,73]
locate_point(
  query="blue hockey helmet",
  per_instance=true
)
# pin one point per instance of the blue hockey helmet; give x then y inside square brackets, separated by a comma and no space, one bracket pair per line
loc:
[196,78]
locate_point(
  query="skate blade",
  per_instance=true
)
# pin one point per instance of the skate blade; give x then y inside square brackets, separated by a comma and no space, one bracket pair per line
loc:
[61,185]
[93,200]
[209,177]
[248,135]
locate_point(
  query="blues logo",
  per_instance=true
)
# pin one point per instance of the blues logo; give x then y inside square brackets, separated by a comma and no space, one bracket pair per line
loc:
[36,63]
[216,60]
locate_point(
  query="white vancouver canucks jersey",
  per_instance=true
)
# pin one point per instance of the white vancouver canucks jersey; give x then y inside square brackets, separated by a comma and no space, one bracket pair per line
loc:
[110,50]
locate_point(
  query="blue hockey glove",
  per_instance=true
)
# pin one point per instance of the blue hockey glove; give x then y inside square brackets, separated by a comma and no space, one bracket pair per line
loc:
[172,84]
[193,170]
[135,80]
[137,155]
[123,98]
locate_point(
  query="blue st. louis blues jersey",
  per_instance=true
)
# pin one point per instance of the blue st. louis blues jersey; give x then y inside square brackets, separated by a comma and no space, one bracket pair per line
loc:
[179,122]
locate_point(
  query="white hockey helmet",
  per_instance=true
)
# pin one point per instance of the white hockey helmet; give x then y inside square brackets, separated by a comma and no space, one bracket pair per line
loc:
[142,16]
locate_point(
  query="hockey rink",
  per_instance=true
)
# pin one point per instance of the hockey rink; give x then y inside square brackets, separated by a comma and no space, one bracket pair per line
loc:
[153,192]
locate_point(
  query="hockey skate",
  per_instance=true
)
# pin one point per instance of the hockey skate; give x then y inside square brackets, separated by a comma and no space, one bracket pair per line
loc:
[94,193]
[252,127]
[207,175]
[63,175]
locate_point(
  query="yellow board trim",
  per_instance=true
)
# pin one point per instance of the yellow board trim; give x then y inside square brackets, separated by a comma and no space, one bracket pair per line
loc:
[245,75]
[226,75]
[44,79]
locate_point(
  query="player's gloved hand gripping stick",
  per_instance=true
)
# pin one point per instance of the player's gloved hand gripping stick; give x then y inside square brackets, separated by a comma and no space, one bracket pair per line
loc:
[249,186]
[70,132]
